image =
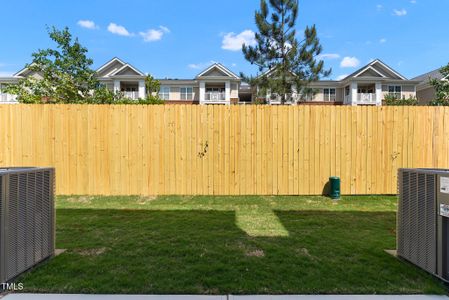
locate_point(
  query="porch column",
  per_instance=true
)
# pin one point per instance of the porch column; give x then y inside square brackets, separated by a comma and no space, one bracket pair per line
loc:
[378,93]
[228,92]
[202,92]
[294,95]
[142,89]
[116,86]
[354,87]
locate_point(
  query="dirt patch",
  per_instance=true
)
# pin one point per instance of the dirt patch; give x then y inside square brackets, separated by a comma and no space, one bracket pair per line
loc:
[142,200]
[255,253]
[251,251]
[305,252]
[208,291]
[81,199]
[91,251]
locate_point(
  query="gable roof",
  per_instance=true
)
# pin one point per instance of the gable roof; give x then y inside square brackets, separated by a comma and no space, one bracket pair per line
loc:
[22,72]
[219,67]
[123,68]
[377,65]
[435,74]
[110,62]
[369,70]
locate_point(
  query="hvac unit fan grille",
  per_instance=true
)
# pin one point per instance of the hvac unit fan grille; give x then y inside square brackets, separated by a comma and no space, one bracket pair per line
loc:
[417,219]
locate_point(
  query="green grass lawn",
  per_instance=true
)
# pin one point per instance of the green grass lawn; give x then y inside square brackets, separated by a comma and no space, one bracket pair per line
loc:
[222,245]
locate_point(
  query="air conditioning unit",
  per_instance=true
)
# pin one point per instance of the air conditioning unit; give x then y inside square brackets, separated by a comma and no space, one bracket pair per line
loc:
[27,219]
[423,219]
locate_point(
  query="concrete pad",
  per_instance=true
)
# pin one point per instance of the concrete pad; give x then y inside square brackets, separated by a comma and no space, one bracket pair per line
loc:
[392,252]
[339,297]
[59,251]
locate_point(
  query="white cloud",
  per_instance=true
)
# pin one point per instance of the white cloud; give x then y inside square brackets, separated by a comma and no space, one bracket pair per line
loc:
[349,62]
[383,40]
[379,7]
[413,1]
[399,12]
[87,24]
[234,65]
[343,76]
[164,29]
[329,56]
[234,42]
[118,29]
[152,35]
[201,66]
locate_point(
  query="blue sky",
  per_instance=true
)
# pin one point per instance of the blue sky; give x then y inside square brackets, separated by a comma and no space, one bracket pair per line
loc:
[177,38]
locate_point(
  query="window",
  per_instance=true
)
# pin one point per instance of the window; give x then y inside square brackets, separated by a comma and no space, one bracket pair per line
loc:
[395,91]
[164,93]
[305,96]
[186,93]
[329,95]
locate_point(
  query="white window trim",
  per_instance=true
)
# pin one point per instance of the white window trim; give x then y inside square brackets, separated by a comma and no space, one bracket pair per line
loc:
[395,86]
[163,94]
[329,95]
[186,87]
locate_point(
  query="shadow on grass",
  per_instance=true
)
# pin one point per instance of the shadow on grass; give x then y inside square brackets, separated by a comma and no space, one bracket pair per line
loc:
[205,252]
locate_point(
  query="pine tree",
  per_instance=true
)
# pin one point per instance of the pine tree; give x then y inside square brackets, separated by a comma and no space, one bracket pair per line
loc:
[285,62]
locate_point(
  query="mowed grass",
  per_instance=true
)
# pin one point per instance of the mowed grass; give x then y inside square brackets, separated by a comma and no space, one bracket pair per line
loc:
[227,245]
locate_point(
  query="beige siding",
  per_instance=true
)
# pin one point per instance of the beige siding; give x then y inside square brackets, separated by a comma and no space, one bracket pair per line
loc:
[407,90]
[426,95]
[196,93]
[234,90]
[340,94]
[175,92]
[109,85]
[319,96]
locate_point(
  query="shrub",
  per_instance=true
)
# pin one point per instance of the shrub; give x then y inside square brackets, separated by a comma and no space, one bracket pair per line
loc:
[439,102]
[395,101]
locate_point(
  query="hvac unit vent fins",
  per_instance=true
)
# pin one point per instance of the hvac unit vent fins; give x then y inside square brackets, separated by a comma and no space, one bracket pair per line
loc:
[26,219]
[422,222]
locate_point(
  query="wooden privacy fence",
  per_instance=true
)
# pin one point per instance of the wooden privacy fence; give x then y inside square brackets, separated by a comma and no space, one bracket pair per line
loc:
[223,150]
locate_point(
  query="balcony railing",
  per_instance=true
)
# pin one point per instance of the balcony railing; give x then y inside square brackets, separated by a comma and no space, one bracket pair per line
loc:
[215,97]
[277,99]
[131,95]
[366,98]
[8,98]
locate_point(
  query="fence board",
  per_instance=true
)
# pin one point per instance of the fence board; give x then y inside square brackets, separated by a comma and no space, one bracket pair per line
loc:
[216,150]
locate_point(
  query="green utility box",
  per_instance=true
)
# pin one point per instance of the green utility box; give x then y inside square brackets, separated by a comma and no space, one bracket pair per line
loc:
[335,187]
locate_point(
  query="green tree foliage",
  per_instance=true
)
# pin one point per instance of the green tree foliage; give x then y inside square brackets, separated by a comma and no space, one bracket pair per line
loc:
[441,88]
[278,52]
[65,71]
[152,86]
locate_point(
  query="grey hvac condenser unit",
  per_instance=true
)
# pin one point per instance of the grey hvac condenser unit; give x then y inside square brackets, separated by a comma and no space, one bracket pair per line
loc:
[27,219]
[423,219]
